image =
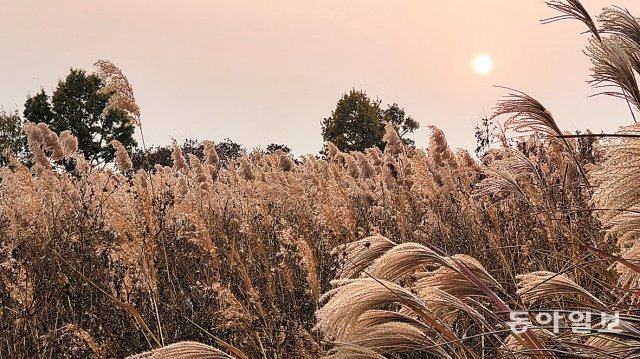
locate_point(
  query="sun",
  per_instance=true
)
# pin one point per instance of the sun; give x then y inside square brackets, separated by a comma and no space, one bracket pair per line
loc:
[482,64]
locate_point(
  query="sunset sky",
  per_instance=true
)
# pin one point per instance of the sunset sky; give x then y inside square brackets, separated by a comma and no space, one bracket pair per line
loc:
[269,71]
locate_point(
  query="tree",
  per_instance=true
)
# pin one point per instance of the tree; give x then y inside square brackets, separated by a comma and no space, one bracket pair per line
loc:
[403,124]
[227,150]
[483,137]
[154,155]
[80,104]
[357,123]
[12,140]
[274,147]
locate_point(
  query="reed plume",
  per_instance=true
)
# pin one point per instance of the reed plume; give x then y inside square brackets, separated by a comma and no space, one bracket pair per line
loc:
[184,350]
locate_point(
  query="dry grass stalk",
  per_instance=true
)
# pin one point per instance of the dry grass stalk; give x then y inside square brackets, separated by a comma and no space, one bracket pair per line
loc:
[183,350]
[572,9]
[535,286]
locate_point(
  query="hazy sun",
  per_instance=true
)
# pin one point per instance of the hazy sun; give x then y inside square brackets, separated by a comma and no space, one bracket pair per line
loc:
[482,64]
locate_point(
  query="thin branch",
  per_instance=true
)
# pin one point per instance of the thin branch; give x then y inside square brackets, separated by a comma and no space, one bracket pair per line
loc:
[622,135]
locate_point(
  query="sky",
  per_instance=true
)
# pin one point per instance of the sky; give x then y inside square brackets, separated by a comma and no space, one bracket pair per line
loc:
[262,72]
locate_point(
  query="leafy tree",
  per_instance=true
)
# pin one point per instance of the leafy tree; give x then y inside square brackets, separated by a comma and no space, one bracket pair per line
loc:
[274,147]
[79,104]
[357,123]
[403,124]
[161,155]
[12,139]
[156,155]
[227,150]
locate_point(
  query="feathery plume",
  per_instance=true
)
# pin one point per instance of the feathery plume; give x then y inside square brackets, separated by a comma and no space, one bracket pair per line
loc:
[350,351]
[366,169]
[69,143]
[617,190]
[572,9]
[527,114]
[246,169]
[117,85]
[358,255]
[403,259]
[394,145]
[375,155]
[210,154]
[35,140]
[179,162]
[123,162]
[619,22]
[50,142]
[613,70]
[183,350]
[353,297]
[332,151]
[352,166]
[542,284]
[197,168]
[284,162]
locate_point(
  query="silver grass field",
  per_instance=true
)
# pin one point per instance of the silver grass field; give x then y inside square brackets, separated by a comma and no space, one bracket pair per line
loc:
[401,253]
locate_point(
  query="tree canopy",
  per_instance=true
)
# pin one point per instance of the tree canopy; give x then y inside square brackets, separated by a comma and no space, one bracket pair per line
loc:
[357,123]
[80,104]
[13,142]
[227,150]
